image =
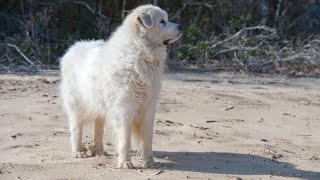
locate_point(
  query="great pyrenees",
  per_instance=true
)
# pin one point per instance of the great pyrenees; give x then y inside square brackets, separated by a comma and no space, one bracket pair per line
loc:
[118,80]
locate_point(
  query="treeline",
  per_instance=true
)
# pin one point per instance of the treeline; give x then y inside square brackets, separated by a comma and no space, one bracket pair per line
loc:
[248,35]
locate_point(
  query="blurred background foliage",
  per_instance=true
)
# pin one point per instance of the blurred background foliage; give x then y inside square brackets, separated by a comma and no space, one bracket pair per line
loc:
[260,36]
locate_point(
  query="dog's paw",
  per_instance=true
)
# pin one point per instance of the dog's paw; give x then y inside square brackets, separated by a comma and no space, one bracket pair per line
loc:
[125,165]
[79,154]
[94,152]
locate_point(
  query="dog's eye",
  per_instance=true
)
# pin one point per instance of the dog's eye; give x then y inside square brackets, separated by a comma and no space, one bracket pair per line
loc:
[163,22]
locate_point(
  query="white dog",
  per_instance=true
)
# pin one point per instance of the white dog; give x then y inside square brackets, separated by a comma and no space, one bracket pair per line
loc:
[118,80]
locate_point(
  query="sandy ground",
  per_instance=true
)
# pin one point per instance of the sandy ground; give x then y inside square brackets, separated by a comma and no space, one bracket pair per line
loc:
[208,126]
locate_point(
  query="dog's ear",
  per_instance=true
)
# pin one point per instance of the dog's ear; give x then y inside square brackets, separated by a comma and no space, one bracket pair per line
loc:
[145,20]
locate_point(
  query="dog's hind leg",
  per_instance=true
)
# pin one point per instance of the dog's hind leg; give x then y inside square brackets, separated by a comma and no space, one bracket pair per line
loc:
[75,114]
[97,148]
[76,129]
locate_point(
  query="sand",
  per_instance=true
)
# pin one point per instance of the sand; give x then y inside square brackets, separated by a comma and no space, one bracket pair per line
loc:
[208,126]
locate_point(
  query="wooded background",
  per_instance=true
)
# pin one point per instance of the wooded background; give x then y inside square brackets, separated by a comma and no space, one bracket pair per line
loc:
[261,36]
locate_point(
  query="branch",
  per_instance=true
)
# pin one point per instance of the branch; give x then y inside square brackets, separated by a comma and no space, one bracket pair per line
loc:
[241,31]
[92,10]
[191,3]
[179,11]
[21,53]
[236,48]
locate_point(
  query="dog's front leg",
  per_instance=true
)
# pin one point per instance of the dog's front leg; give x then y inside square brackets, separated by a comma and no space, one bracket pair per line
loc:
[123,125]
[124,144]
[147,135]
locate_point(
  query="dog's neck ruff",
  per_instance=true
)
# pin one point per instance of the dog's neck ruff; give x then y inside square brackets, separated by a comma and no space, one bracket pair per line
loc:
[155,54]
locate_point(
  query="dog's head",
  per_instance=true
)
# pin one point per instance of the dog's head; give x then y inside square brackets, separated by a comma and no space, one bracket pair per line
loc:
[152,23]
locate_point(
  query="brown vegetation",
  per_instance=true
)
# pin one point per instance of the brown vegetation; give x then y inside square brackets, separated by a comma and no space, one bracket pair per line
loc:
[254,36]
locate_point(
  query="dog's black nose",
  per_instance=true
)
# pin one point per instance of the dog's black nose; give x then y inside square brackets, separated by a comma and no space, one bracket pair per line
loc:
[179,27]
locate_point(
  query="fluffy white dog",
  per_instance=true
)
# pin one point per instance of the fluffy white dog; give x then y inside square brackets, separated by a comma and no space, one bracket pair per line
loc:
[118,80]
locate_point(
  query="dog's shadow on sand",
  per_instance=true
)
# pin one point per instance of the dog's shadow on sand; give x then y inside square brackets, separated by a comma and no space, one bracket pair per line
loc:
[232,164]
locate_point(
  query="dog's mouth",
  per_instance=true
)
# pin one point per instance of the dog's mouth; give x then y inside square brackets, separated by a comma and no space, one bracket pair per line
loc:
[170,41]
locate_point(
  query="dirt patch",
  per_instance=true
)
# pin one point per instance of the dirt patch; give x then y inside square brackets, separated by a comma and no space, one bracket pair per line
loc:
[217,126]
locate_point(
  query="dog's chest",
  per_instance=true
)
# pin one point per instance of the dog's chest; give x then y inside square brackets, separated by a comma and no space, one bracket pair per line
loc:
[144,83]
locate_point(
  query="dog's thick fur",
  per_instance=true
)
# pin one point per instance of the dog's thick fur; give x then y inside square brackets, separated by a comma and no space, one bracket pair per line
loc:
[118,80]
